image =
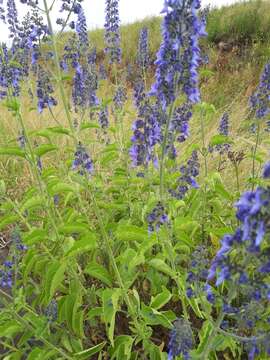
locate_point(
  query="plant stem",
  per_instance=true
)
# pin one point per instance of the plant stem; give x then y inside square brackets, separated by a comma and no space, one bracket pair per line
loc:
[112,260]
[211,337]
[163,152]
[254,154]
[204,149]
[237,177]
[204,153]
[59,72]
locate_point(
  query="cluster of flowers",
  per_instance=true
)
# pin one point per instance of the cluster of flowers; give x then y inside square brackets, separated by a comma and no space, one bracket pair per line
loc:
[260,100]
[181,340]
[112,31]
[157,217]
[179,55]
[177,71]
[242,263]
[7,269]
[222,130]
[143,57]
[188,172]
[146,128]
[82,161]
[198,271]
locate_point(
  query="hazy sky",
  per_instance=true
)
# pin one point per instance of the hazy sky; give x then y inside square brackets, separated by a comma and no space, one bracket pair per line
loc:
[130,10]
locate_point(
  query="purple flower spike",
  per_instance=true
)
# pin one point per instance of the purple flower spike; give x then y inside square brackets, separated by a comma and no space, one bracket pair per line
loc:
[112,31]
[179,55]
[266,171]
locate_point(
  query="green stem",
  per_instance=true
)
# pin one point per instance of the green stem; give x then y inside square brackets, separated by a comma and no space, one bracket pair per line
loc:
[254,155]
[241,338]
[204,149]
[162,199]
[59,72]
[216,327]
[163,152]
[112,260]
[211,337]
[204,153]
[237,177]
[6,345]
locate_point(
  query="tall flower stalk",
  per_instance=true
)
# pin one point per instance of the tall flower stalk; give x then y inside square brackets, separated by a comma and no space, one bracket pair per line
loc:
[260,104]
[177,63]
[112,31]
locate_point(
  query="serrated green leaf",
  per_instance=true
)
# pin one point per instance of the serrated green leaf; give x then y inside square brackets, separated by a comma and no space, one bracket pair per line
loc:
[110,298]
[122,347]
[32,203]
[161,299]
[126,232]
[53,278]
[204,335]
[160,265]
[34,236]
[87,243]
[99,272]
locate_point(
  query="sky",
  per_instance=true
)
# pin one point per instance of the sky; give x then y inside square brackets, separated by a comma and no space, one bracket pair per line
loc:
[130,11]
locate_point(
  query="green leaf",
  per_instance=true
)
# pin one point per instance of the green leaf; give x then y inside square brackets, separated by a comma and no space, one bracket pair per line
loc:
[44,149]
[95,312]
[220,140]
[88,242]
[161,299]
[204,335]
[206,108]
[126,232]
[86,354]
[154,317]
[89,126]
[206,73]
[60,188]
[12,151]
[41,354]
[59,130]
[36,235]
[32,203]
[109,157]
[7,220]
[78,324]
[12,104]
[160,265]
[110,298]
[74,229]
[99,272]
[53,278]
[10,328]
[122,348]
